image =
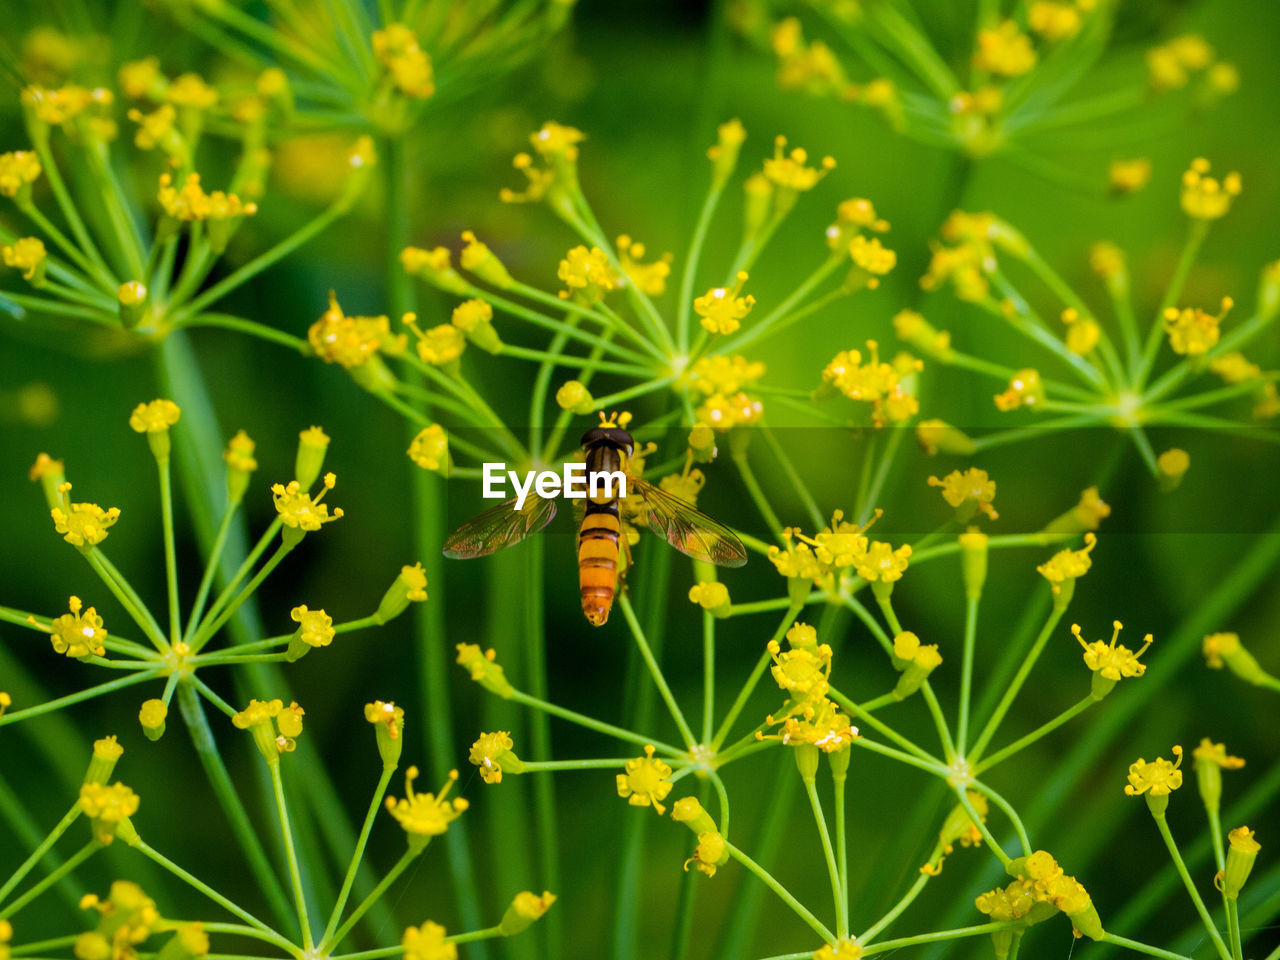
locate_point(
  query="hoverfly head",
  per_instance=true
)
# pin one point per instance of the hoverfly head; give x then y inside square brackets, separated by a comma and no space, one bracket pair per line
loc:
[612,432]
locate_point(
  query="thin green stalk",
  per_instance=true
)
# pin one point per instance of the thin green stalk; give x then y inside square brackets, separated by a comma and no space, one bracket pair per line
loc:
[137,612]
[976,819]
[1142,947]
[793,476]
[708,674]
[52,877]
[842,851]
[689,275]
[376,893]
[888,456]
[211,626]
[1040,731]
[1233,928]
[888,946]
[608,729]
[78,697]
[228,798]
[1163,826]
[1155,335]
[757,494]
[896,911]
[1011,692]
[38,853]
[170,551]
[225,321]
[291,855]
[860,713]
[656,671]
[375,805]
[785,895]
[211,568]
[828,853]
[966,671]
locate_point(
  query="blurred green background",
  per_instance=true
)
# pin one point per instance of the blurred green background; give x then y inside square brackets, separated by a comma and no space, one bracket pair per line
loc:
[648,82]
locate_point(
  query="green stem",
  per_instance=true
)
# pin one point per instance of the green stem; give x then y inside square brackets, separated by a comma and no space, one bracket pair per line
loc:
[828,852]
[170,551]
[357,855]
[689,275]
[1046,728]
[966,671]
[1163,826]
[656,671]
[591,723]
[38,853]
[211,568]
[79,696]
[767,878]
[1142,947]
[896,911]
[291,855]
[708,674]
[52,877]
[740,701]
[405,859]
[1155,335]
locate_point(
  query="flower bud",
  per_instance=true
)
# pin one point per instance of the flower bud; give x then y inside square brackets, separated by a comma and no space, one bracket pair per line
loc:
[105,754]
[702,443]
[938,435]
[475,319]
[712,596]
[433,266]
[240,464]
[388,725]
[484,669]
[575,397]
[52,475]
[917,662]
[409,586]
[133,303]
[973,561]
[840,760]
[758,202]
[477,258]
[1242,851]
[152,717]
[690,812]
[1226,648]
[724,155]
[188,942]
[807,756]
[361,161]
[1173,466]
[1269,290]
[526,907]
[312,445]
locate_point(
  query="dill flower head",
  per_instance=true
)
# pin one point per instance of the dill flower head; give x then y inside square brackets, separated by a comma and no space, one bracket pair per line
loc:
[429,449]
[78,634]
[28,255]
[882,562]
[646,781]
[83,524]
[18,170]
[154,417]
[440,345]
[1111,662]
[1193,331]
[709,854]
[408,65]
[1205,197]
[587,275]
[427,942]
[1156,778]
[721,310]
[484,668]
[492,753]
[315,627]
[526,908]
[298,510]
[840,950]
[789,171]
[969,492]
[1067,566]
[426,815]
[107,806]
[649,278]
[351,341]
[797,560]
[1004,50]
[803,671]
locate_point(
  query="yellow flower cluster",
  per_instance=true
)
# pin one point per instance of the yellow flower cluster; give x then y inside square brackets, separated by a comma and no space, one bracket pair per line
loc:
[1042,881]
[492,753]
[1111,662]
[875,382]
[190,202]
[426,815]
[1068,565]
[78,634]
[1004,50]
[298,510]
[587,275]
[274,726]
[1192,331]
[27,254]
[430,448]
[970,491]
[428,942]
[351,341]
[1205,197]
[649,278]
[1171,65]
[83,524]
[808,718]
[18,170]
[721,309]
[315,627]
[126,919]
[409,66]
[809,68]
[1156,778]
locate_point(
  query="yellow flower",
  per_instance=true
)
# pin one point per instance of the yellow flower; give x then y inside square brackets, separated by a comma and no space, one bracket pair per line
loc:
[645,782]
[882,562]
[711,595]
[28,255]
[1004,50]
[973,490]
[154,417]
[872,256]
[802,671]
[190,90]
[1234,367]
[840,543]
[1215,754]
[141,79]
[1218,646]
[298,510]
[271,738]
[1112,661]
[722,309]
[83,524]
[426,815]
[1068,565]
[77,634]
[556,141]
[351,341]
[1192,331]
[18,169]
[442,344]
[1157,778]
[917,331]
[1129,176]
[1082,333]
[816,723]
[874,382]
[797,560]
[1173,463]
[1106,259]
[1205,197]
[156,128]
[587,274]
[409,65]
[1025,390]
[484,668]
[811,68]
[723,412]
[525,908]
[709,854]
[722,374]
[789,171]
[239,453]
[430,448]
[1054,20]
[190,203]
[56,107]
[108,804]
[315,627]
[841,950]
[427,942]
[492,754]
[649,278]
[724,154]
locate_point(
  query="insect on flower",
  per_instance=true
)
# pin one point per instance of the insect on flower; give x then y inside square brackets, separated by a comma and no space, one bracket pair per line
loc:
[607,449]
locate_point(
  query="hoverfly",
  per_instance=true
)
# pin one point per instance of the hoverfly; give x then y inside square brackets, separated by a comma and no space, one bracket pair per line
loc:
[606,449]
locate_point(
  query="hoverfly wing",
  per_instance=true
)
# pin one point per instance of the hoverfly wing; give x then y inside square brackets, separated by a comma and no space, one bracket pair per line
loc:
[498,528]
[686,528]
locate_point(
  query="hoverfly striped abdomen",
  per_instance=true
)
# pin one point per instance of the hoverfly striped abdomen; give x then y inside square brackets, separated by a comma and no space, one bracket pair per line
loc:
[599,536]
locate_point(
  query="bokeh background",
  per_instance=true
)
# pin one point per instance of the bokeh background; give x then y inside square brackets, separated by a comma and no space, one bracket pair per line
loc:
[648,81]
